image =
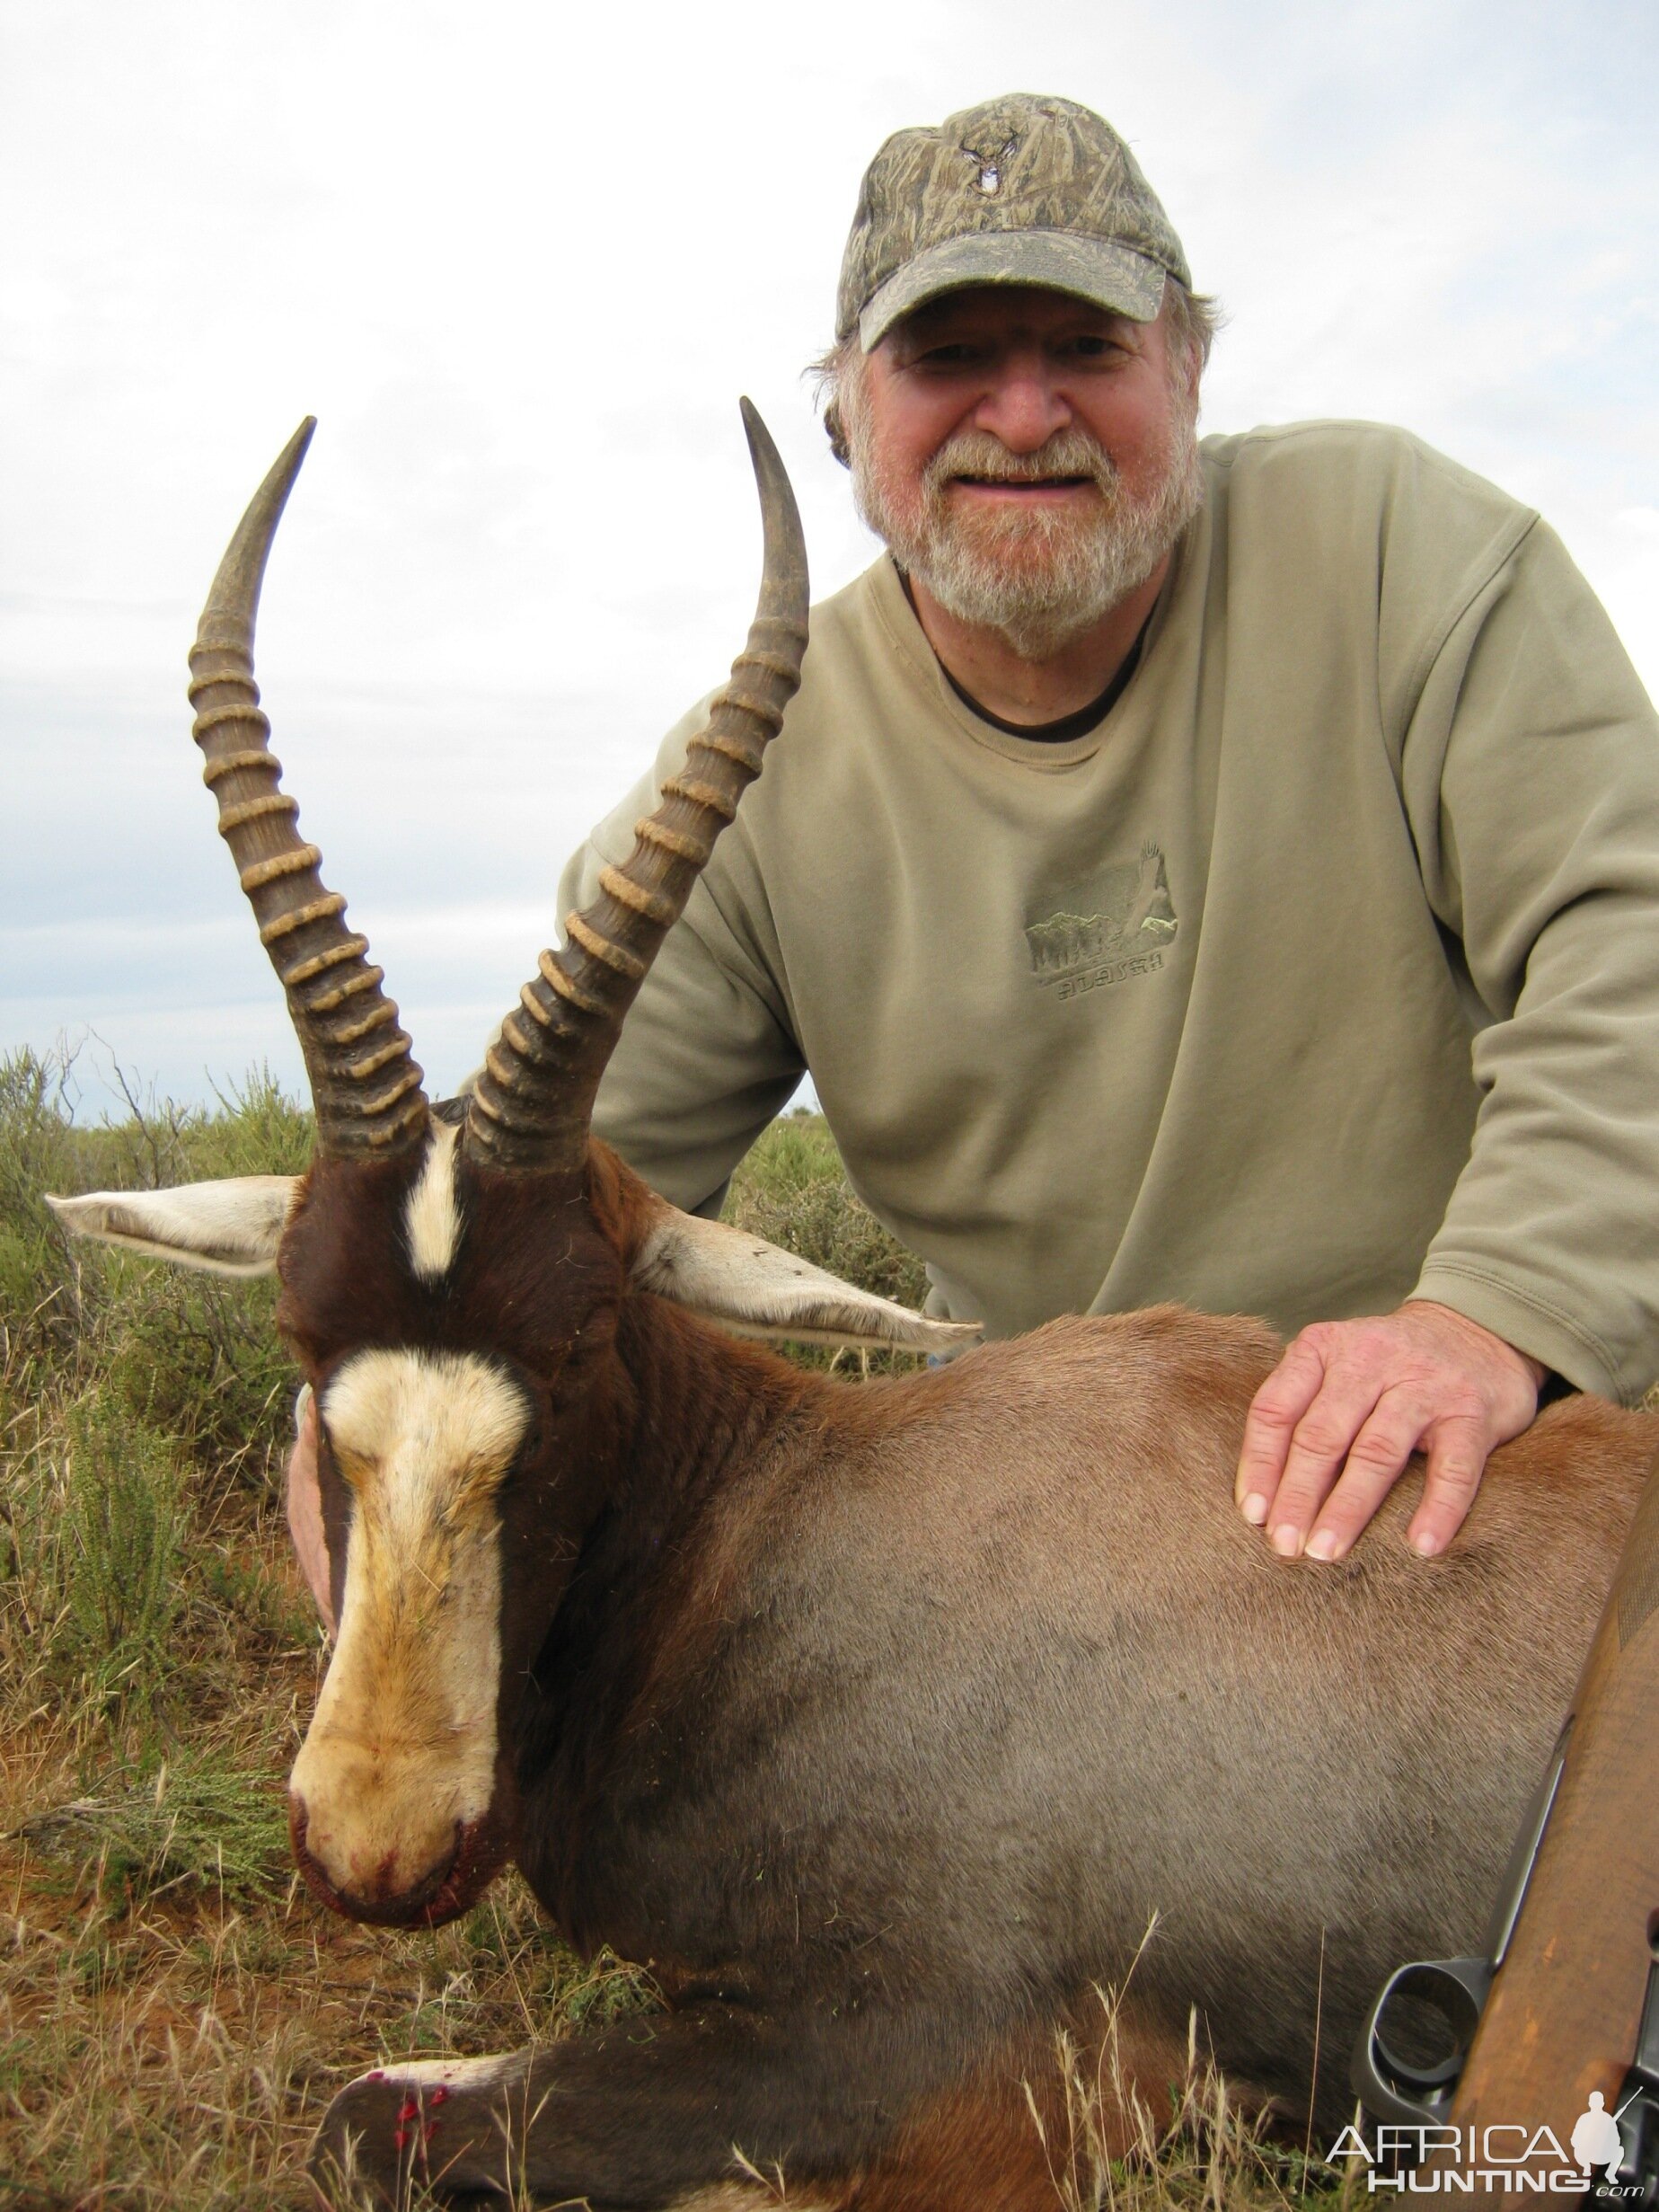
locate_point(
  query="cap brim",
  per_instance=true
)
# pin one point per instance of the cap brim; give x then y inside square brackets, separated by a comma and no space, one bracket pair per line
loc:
[1113,276]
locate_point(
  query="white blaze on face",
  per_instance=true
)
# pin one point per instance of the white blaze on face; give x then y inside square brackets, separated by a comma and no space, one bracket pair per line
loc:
[403,1745]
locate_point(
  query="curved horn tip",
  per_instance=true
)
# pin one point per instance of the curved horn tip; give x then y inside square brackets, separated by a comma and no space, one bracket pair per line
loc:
[279,477]
[761,445]
[236,586]
[780,514]
[294,452]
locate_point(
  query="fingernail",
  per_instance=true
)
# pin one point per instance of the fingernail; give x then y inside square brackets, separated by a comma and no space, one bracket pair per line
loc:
[1322,1544]
[1427,1543]
[1255,1509]
[1286,1540]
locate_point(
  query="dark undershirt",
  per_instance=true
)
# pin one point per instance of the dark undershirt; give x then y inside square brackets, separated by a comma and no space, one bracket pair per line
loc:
[1077,724]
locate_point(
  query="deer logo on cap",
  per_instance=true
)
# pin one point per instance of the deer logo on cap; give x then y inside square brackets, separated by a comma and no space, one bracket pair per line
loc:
[989,160]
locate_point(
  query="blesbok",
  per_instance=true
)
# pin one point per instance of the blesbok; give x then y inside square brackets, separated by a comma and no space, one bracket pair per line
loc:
[879,1722]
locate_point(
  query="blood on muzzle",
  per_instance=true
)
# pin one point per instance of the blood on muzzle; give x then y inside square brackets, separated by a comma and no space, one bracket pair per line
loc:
[480,1849]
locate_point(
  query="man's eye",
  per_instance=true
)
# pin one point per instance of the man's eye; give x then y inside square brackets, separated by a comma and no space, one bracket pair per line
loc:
[956,353]
[1093,347]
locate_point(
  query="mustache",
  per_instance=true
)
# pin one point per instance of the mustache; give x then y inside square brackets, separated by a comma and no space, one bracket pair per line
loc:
[1070,453]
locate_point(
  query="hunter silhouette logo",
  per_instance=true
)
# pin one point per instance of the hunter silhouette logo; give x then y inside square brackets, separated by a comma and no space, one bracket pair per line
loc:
[1106,931]
[1595,2139]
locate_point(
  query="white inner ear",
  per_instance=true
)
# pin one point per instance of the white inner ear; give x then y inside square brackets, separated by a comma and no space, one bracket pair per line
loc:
[757,1289]
[231,1227]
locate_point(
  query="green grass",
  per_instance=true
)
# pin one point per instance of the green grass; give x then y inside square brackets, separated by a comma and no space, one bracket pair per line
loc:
[792,1191]
[175,2012]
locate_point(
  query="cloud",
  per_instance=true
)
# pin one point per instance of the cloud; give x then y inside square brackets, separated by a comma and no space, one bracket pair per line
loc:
[521,263]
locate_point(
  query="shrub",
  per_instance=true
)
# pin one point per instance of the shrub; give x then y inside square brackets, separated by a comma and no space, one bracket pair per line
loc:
[118,1558]
[793,1190]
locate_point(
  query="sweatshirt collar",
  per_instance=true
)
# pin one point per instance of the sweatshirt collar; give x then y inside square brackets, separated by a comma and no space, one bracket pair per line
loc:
[898,619]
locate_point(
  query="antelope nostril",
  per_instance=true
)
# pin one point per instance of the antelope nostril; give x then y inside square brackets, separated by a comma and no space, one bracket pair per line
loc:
[391,1890]
[381,1892]
[389,1895]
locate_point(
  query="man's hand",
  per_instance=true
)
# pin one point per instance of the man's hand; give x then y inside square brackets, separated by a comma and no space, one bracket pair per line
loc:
[305,1513]
[1331,1429]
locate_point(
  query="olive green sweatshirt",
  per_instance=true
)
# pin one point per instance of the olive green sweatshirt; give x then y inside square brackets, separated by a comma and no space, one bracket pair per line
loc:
[1322,972]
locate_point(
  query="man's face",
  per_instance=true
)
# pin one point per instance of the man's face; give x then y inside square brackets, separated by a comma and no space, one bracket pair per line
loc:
[1030,459]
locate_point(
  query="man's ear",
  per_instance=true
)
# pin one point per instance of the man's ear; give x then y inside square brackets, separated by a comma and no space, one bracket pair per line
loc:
[228,1228]
[756,1289]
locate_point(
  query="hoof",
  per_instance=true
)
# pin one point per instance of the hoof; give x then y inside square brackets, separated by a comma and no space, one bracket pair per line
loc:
[426,2129]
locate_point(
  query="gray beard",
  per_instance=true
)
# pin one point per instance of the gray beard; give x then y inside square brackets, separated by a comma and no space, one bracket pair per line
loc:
[1041,578]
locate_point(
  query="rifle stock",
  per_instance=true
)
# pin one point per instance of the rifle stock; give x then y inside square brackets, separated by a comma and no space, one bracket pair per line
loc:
[1570,1997]
[1573,2005]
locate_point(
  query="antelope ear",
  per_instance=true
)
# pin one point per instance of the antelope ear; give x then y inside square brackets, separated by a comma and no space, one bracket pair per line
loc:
[229,1228]
[756,1289]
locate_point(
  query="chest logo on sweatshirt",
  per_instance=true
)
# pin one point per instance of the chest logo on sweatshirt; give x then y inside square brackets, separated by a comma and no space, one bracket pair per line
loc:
[1102,931]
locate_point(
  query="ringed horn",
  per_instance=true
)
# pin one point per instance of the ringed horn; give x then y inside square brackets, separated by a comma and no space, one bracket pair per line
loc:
[365,1083]
[533,1102]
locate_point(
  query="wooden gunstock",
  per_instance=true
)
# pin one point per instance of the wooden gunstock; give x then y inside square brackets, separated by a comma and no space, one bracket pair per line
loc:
[1565,2009]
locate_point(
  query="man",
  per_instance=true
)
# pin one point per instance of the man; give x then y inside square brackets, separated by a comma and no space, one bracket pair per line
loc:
[1313,766]
[1224,876]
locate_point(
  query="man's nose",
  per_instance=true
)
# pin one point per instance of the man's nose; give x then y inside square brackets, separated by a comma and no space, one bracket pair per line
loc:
[1023,407]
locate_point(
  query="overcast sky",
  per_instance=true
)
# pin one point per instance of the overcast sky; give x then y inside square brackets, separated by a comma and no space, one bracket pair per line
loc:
[520,259]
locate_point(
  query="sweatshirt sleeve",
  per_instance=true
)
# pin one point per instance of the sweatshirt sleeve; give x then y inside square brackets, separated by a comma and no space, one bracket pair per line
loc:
[1530,775]
[707,1056]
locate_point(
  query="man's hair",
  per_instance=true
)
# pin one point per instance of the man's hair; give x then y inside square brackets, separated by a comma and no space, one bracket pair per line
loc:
[1194,318]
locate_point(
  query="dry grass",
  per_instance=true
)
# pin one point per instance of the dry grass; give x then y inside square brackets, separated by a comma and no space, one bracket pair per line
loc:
[1200,2153]
[175,2013]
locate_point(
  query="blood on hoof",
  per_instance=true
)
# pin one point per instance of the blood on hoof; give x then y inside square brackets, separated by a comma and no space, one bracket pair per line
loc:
[450,2127]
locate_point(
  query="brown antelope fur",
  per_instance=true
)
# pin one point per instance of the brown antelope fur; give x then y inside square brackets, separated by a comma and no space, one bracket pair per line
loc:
[879,1723]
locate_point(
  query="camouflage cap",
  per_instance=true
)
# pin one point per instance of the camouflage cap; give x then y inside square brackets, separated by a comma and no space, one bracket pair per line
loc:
[1017,191]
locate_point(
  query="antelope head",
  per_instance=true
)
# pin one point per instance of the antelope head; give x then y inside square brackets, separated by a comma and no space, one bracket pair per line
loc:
[453,1280]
